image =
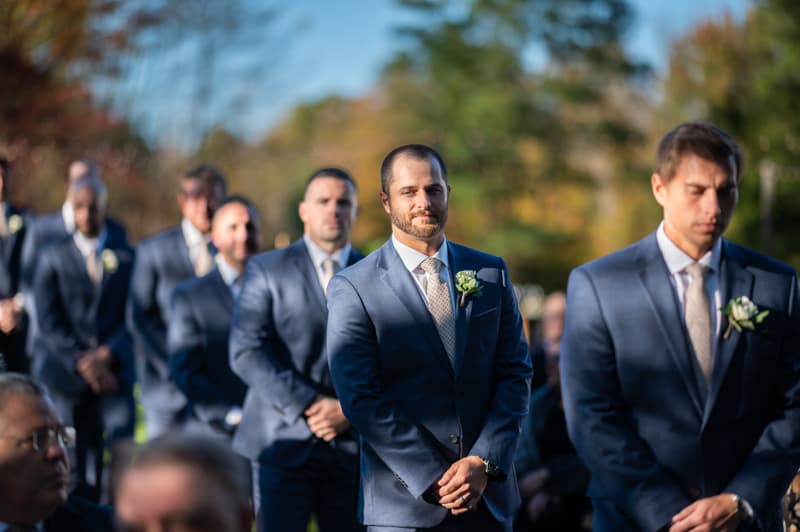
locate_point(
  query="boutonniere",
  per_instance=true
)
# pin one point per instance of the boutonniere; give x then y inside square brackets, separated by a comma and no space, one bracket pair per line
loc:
[15,223]
[467,283]
[109,260]
[742,314]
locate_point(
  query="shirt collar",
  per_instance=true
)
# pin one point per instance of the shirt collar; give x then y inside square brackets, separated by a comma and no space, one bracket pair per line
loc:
[677,260]
[88,245]
[69,217]
[412,258]
[229,274]
[318,254]
[191,234]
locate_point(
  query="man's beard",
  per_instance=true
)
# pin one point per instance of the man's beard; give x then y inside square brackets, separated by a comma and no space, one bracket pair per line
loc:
[407,226]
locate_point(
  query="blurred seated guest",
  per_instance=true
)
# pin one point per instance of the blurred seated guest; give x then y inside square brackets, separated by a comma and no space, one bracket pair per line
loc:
[552,479]
[791,506]
[187,483]
[13,320]
[201,317]
[34,469]
[552,328]
[85,356]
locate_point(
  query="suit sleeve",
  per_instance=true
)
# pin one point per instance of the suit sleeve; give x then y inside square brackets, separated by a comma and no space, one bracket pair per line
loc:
[186,344]
[144,318]
[512,376]
[768,470]
[61,345]
[252,355]
[599,422]
[353,357]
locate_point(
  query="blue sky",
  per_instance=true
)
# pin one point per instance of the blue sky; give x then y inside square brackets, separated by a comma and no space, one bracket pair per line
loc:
[340,49]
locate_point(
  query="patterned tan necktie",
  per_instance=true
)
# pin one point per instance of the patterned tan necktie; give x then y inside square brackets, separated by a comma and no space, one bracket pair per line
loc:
[93,268]
[439,304]
[329,269]
[698,317]
[202,258]
[3,225]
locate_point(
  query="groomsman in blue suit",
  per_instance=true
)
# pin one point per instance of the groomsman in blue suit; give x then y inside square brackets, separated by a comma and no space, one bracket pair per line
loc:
[163,261]
[303,452]
[430,363]
[85,357]
[200,321]
[13,320]
[680,361]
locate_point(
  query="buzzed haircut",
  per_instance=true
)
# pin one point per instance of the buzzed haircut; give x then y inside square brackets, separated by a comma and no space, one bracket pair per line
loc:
[209,175]
[18,384]
[92,169]
[96,184]
[241,200]
[420,152]
[330,171]
[703,139]
[203,455]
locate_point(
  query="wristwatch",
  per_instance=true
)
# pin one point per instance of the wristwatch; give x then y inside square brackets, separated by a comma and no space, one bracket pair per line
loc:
[744,510]
[492,471]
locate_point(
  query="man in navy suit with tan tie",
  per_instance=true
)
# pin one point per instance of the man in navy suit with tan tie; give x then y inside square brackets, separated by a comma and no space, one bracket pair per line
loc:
[163,261]
[85,356]
[680,362]
[303,451]
[430,363]
[200,321]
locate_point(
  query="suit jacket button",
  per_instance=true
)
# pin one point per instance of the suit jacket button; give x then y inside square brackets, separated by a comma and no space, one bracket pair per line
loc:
[454,439]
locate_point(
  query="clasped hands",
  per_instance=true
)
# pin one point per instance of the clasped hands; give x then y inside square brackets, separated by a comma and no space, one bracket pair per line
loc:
[10,314]
[719,513]
[94,366]
[461,487]
[325,418]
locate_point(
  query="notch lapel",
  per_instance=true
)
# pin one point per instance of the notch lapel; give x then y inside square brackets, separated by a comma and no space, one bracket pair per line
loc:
[734,281]
[655,278]
[223,292]
[462,313]
[306,268]
[398,278]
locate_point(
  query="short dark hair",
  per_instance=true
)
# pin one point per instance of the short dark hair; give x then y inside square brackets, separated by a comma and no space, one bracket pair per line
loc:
[208,457]
[330,171]
[704,139]
[241,200]
[19,384]
[209,175]
[416,151]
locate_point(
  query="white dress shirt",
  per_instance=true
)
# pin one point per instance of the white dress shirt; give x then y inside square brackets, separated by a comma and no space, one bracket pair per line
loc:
[230,276]
[412,259]
[87,246]
[318,256]
[194,238]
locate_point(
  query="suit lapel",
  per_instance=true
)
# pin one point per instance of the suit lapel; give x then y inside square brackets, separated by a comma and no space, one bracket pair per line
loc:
[464,312]
[655,278]
[222,291]
[734,281]
[394,273]
[306,268]
[183,251]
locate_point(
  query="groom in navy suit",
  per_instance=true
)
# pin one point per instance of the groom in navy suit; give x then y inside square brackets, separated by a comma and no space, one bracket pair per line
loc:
[303,452]
[429,361]
[681,396]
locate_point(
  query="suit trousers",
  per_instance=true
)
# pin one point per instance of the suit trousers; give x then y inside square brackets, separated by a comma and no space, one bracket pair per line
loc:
[478,521]
[326,485]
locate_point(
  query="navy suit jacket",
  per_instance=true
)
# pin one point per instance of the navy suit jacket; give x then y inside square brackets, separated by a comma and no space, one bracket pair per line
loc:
[198,332]
[74,314]
[416,414]
[638,411]
[162,261]
[11,253]
[277,346]
[80,515]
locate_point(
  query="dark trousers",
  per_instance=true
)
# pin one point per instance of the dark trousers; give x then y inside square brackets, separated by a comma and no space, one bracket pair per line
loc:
[326,485]
[480,520]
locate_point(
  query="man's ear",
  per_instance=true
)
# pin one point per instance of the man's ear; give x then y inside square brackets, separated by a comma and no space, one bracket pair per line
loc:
[302,209]
[385,201]
[659,187]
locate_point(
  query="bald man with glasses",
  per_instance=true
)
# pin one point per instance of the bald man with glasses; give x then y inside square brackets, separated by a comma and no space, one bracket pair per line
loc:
[34,468]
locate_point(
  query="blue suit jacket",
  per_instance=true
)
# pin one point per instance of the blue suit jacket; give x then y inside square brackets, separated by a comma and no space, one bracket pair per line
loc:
[197,338]
[639,414]
[162,261]
[74,314]
[11,253]
[277,346]
[416,413]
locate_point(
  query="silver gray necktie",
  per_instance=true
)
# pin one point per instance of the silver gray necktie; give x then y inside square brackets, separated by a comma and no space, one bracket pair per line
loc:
[329,269]
[93,268]
[439,304]
[698,317]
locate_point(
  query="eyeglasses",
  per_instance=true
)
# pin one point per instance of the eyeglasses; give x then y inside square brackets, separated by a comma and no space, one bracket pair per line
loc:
[43,439]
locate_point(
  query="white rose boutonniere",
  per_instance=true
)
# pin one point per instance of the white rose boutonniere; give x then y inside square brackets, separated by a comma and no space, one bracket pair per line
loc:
[15,223]
[742,314]
[109,260]
[467,284]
